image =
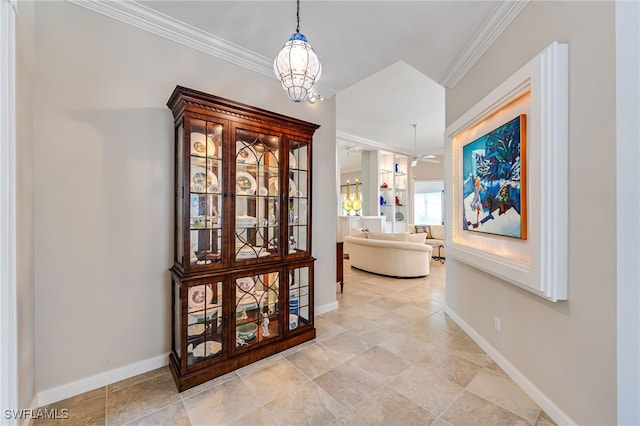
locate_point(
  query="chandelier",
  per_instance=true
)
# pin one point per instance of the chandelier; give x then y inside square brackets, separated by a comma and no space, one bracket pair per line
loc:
[297,66]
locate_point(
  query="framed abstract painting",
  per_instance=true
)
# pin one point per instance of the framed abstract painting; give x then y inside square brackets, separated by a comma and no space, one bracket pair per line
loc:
[494,181]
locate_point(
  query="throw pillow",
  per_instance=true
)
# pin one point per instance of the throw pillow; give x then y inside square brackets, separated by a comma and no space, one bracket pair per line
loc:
[381,236]
[424,228]
[418,238]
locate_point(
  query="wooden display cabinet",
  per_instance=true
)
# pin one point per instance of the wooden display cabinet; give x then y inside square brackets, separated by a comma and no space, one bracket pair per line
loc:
[242,278]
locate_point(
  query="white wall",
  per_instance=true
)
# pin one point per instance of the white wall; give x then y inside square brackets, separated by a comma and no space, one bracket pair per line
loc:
[566,349]
[24,197]
[103,186]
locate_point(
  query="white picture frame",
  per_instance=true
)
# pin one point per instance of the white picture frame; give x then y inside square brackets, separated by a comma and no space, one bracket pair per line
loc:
[538,264]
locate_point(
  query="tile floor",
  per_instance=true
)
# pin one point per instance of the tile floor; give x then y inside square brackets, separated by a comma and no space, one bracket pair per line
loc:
[388,356]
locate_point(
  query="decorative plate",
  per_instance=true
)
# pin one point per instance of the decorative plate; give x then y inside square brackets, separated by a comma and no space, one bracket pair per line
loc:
[207,349]
[199,296]
[292,161]
[245,153]
[206,313]
[245,285]
[245,184]
[273,186]
[399,216]
[292,188]
[201,145]
[195,329]
[198,183]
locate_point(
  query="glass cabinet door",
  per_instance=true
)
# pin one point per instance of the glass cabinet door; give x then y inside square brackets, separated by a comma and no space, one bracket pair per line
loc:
[257,206]
[300,303]
[204,312]
[298,198]
[205,193]
[257,308]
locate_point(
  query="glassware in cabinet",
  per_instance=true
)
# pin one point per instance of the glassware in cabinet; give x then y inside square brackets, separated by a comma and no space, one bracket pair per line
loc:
[300,300]
[256,308]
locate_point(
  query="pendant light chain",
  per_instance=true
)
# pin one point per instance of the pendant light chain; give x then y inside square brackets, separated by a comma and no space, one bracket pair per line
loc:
[298,18]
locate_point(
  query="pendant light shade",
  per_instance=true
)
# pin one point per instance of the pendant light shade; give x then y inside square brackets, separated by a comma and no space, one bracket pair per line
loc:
[297,66]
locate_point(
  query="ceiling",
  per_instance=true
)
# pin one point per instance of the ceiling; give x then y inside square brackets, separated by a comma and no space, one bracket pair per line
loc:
[387,62]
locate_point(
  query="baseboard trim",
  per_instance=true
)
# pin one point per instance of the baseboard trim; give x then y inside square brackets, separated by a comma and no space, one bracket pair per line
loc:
[98,380]
[555,412]
[328,307]
[28,420]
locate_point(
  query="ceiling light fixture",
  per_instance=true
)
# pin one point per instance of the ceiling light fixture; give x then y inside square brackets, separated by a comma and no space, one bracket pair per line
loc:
[314,97]
[297,66]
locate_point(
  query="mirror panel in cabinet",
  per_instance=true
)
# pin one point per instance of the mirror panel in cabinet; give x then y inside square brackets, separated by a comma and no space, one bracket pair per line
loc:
[298,201]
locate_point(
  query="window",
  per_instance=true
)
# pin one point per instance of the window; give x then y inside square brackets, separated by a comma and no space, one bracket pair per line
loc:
[428,202]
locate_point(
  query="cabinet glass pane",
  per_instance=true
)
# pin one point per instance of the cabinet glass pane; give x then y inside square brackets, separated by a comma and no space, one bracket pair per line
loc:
[205,186]
[299,311]
[298,212]
[204,317]
[257,308]
[257,202]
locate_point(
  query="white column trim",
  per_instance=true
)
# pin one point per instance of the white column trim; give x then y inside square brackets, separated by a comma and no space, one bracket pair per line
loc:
[628,205]
[8,301]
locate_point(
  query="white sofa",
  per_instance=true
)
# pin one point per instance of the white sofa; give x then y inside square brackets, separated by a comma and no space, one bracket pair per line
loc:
[434,238]
[395,255]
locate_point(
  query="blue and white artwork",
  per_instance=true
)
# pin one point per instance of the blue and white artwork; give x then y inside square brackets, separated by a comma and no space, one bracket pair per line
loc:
[494,186]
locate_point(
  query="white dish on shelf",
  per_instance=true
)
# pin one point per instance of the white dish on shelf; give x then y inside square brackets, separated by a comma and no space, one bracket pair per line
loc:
[198,183]
[292,161]
[199,296]
[245,285]
[245,184]
[244,221]
[263,192]
[195,329]
[245,153]
[201,145]
[206,349]
[399,216]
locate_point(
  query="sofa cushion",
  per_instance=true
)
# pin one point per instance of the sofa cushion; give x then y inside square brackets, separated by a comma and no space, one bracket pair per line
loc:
[399,236]
[423,228]
[417,238]
[437,232]
[355,232]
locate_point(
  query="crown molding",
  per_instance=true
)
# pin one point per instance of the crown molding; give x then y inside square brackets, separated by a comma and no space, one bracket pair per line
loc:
[147,19]
[501,16]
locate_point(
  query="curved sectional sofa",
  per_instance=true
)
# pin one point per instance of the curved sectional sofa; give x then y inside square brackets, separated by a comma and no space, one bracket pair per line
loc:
[397,255]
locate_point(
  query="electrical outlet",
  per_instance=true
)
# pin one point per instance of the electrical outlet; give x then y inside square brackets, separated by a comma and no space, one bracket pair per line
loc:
[496,324]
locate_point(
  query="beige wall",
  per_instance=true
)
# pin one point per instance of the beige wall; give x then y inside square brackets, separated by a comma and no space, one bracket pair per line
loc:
[25,202]
[103,194]
[566,349]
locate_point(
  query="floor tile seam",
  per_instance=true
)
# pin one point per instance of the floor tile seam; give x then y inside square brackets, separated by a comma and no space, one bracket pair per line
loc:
[504,408]
[250,368]
[155,410]
[415,402]
[278,395]
[264,406]
[107,391]
[182,397]
[382,383]
[462,389]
